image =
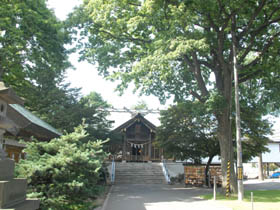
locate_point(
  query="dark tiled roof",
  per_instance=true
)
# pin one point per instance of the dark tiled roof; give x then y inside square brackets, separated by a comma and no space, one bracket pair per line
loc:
[133,120]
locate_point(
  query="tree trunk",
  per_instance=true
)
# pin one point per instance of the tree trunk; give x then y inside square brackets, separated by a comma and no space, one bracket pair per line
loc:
[226,147]
[207,170]
[224,84]
[260,168]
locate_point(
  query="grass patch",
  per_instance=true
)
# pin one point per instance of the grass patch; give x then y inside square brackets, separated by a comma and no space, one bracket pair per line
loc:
[259,196]
[101,198]
[263,200]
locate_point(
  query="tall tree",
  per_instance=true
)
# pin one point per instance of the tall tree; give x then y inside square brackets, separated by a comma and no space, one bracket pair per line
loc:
[31,45]
[94,112]
[33,60]
[183,48]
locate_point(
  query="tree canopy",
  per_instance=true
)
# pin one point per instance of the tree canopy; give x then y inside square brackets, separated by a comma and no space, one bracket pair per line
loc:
[188,132]
[183,49]
[31,42]
[64,173]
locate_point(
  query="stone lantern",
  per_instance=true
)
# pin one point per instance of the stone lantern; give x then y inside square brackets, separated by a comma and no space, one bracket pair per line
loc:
[12,190]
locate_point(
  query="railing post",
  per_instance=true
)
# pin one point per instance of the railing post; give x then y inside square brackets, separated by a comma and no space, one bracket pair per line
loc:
[165,172]
[113,171]
[252,200]
[214,188]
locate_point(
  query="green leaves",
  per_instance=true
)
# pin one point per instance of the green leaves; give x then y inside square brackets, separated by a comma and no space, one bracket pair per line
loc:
[64,173]
[216,103]
[187,132]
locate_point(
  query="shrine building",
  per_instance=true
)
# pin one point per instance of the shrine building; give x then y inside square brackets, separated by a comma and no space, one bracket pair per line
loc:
[138,140]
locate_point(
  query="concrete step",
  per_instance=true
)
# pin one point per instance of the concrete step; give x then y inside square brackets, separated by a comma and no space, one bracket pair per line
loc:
[139,173]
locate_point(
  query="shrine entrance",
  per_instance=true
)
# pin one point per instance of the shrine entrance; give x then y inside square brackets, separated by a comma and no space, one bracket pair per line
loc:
[138,140]
[137,152]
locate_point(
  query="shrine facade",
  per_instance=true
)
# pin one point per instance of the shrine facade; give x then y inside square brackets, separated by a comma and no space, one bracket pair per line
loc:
[138,141]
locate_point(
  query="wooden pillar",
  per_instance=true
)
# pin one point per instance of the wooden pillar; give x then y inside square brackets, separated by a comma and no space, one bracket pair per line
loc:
[124,146]
[150,146]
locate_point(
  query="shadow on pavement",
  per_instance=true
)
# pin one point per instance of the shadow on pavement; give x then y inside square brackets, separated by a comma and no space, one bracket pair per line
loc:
[161,197]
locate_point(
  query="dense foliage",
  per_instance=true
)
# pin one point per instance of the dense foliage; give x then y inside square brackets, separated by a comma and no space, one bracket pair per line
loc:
[64,173]
[188,132]
[184,48]
[31,44]
[33,60]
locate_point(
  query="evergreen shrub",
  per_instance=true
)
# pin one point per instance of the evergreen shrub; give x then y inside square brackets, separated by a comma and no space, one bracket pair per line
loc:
[64,173]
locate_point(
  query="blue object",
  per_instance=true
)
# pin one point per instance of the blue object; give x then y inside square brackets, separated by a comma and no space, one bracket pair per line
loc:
[275,175]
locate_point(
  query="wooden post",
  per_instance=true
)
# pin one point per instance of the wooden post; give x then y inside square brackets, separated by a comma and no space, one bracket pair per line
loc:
[252,200]
[150,146]
[237,115]
[228,179]
[214,188]
[124,146]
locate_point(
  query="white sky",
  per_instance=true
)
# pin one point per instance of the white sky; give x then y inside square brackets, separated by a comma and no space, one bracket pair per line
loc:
[86,76]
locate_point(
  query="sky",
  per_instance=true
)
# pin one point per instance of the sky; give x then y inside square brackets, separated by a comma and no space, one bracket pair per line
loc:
[85,76]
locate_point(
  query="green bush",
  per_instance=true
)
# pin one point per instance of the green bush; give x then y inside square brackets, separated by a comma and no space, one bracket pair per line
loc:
[64,173]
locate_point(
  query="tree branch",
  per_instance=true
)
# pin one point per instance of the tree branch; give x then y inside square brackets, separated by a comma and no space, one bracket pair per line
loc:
[246,76]
[196,95]
[207,64]
[250,23]
[198,76]
[124,38]
[265,48]
[260,28]
[216,28]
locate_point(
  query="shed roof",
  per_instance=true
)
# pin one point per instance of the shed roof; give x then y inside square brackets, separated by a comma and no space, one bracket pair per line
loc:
[29,123]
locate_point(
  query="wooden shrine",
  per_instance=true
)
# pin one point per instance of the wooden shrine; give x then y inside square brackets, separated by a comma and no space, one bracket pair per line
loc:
[138,140]
[28,125]
[12,190]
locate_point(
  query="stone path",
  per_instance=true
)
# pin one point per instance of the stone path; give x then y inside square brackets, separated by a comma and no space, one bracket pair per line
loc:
[158,197]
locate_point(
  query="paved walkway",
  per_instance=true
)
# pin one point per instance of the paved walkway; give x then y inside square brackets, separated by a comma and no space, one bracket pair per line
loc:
[267,184]
[171,197]
[158,197]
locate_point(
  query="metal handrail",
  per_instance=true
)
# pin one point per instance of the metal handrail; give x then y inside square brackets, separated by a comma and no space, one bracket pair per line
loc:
[165,172]
[113,171]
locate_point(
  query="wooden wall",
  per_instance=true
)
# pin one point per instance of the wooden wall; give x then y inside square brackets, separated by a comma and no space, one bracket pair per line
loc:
[195,174]
[14,152]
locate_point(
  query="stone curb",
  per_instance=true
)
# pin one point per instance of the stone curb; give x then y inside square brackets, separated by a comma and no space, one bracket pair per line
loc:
[104,206]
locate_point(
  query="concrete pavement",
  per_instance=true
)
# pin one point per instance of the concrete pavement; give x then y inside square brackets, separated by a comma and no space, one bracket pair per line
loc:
[267,184]
[158,197]
[171,197]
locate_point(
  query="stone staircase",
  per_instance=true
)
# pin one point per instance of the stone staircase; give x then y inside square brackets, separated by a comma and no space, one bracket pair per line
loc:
[13,191]
[139,173]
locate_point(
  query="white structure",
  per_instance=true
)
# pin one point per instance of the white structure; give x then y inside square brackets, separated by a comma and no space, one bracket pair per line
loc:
[270,157]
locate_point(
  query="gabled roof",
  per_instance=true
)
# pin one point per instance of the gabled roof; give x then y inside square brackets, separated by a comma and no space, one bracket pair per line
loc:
[138,117]
[9,95]
[31,124]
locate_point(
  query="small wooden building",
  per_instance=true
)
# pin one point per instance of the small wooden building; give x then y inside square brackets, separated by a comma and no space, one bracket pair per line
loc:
[28,125]
[138,140]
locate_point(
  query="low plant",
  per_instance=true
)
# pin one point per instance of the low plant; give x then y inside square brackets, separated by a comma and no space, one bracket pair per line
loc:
[64,173]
